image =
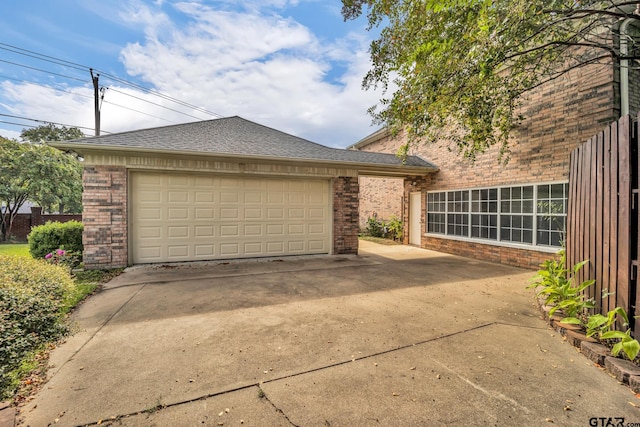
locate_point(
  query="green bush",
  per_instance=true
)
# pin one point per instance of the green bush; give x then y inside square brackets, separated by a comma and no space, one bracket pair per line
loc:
[375,228]
[45,239]
[33,297]
[391,229]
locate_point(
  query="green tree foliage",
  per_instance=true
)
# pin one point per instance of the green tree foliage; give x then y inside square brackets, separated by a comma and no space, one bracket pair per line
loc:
[38,173]
[50,133]
[456,69]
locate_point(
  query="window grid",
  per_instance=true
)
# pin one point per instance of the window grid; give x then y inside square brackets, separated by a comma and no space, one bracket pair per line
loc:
[436,213]
[551,213]
[524,214]
[458,213]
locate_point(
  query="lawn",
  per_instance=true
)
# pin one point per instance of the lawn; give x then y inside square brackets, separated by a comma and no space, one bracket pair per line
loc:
[16,249]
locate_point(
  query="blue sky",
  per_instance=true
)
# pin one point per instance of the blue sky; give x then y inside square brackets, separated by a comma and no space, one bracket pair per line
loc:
[294,65]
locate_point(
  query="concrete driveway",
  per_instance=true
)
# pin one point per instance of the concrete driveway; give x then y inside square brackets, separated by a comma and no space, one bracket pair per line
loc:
[394,336]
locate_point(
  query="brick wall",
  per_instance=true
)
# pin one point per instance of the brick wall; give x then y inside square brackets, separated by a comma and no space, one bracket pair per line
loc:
[105,217]
[559,116]
[380,198]
[345,215]
[23,223]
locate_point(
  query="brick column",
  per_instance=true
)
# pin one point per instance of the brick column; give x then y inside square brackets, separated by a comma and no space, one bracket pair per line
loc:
[104,201]
[345,215]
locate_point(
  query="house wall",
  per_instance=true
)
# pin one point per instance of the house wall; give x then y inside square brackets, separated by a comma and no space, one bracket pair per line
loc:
[105,196]
[345,215]
[559,116]
[104,199]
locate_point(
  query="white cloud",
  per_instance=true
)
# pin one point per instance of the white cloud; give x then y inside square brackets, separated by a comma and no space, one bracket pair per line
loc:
[252,63]
[262,67]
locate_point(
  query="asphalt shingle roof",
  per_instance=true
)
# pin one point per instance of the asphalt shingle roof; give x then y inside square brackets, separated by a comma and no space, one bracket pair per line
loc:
[238,136]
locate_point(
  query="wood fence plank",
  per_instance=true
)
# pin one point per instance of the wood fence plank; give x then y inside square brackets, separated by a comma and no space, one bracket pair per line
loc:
[613,215]
[624,202]
[593,170]
[571,209]
[636,172]
[586,191]
[606,217]
[599,182]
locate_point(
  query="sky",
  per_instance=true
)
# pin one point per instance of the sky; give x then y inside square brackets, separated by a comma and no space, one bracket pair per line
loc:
[293,65]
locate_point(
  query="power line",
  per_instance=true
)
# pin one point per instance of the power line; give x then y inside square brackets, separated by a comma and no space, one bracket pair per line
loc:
[17,124]
[58,89]
[44,71]
[63,62]
[137,111]
[45,122]
[153,103]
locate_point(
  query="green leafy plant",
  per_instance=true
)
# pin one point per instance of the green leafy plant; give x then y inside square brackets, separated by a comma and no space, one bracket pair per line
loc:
[394,228]
[603,327]
[33,295]
[66,258]
[560,292]
[47,238]
[375,227]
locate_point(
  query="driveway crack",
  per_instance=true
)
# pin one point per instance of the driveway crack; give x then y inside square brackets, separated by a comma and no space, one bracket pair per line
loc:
[264,396]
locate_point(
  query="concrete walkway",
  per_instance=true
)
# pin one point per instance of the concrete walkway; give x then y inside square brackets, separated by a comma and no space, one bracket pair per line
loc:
[395,336]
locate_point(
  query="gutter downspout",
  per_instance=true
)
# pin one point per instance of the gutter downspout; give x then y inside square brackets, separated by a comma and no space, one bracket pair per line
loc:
[624,68]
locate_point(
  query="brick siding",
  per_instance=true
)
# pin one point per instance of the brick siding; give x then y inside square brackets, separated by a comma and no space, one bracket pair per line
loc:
[105,217]
[380,198]
[345,215]
[559,116]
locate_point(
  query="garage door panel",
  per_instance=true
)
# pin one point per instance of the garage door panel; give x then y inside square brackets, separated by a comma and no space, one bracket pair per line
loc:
[180,217]
[177,197]
[253,213]
[178,251]
[317,245]
[253,230]
[204,197]
[204,231]
[150,214]
[178,231]
[229,249]
[205,214]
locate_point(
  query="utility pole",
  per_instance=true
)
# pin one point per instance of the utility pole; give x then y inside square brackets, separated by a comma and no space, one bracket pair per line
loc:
[96,99]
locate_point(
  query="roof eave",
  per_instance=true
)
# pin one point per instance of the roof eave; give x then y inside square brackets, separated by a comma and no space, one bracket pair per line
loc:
[363,168]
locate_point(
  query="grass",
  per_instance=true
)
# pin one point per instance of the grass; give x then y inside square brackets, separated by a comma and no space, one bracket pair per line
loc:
[15,249]
[380,240]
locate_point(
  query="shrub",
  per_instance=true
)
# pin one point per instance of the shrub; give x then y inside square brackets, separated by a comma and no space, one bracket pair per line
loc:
[47,238]
[394,228]
[391,229]
[375,228]
[33,297]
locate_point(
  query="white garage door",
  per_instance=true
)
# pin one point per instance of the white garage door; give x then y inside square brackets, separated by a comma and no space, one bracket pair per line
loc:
[185,217]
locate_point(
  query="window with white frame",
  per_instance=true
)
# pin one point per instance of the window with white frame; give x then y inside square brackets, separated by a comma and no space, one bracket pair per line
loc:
[520,214]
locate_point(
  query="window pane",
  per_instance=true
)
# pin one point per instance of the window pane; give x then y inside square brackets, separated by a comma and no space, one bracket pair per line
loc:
[527,192]
[557,191]
[543,191]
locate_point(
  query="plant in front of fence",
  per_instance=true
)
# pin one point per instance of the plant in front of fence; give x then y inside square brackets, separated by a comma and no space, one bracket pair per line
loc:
[556,286]
[603,328]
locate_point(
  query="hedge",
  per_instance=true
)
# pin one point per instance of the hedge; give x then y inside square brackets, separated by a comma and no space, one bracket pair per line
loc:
[46,238]
[33,298]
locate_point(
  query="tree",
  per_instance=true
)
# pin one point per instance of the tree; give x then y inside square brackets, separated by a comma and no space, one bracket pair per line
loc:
[458,68]
[39,173]
[49,133]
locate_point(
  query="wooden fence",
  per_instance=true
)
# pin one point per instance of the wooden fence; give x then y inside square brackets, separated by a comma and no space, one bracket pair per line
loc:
[602,220]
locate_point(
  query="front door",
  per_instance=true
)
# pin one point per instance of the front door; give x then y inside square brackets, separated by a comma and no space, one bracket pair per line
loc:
[415,218]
